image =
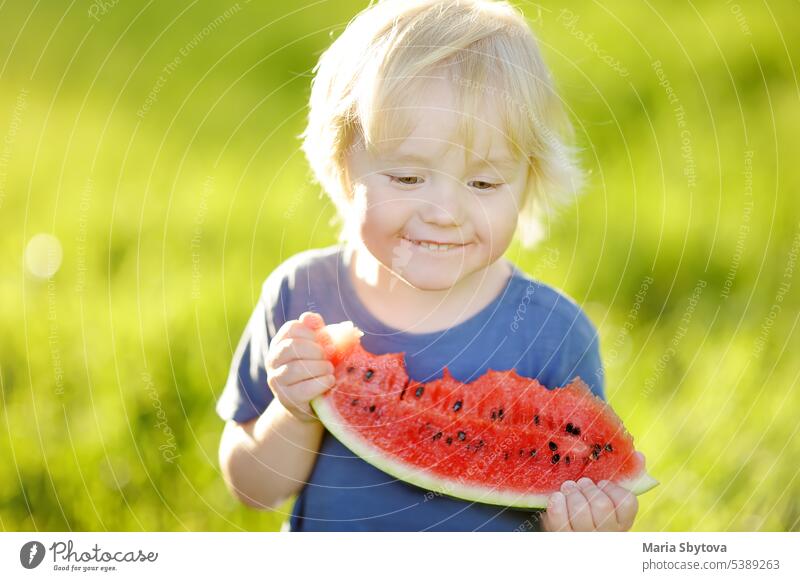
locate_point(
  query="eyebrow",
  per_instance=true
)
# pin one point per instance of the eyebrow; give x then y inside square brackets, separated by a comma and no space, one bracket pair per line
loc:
[499,163]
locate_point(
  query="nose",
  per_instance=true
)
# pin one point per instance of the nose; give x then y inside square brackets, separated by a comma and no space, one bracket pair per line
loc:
[443,203]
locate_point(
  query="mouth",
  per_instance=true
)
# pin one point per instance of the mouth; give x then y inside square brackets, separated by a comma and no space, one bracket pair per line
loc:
[435,247]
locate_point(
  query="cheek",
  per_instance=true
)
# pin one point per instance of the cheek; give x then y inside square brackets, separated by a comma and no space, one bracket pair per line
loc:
[497,218]
[379,212]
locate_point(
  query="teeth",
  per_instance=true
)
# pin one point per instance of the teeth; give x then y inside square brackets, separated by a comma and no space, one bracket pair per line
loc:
[437,247]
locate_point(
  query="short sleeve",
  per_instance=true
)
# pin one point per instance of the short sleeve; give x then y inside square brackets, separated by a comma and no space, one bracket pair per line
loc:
[246,394]
[582,357]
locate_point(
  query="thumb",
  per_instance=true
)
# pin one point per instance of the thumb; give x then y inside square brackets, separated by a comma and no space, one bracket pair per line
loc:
[313,321]
[316,323]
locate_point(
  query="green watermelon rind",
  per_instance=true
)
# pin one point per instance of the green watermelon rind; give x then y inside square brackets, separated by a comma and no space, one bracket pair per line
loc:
[333,422]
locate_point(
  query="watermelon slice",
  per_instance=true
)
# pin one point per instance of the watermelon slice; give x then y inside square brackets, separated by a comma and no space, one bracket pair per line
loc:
[502,439]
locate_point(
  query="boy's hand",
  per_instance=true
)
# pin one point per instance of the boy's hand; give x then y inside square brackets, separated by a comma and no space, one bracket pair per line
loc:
[297,369]
[588,507]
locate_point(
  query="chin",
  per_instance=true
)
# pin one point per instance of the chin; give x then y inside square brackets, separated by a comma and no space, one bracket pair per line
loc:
[429,281]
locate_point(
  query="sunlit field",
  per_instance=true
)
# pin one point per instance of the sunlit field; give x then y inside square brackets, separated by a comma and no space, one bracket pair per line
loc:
[155,148]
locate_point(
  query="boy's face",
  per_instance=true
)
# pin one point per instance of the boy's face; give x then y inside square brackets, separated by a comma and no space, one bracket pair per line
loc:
[423,189]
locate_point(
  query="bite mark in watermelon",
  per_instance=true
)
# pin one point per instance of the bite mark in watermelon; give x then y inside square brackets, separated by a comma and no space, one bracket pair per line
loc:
[502,439]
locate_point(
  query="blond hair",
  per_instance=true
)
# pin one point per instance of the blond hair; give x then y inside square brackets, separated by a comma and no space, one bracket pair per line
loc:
[365,80]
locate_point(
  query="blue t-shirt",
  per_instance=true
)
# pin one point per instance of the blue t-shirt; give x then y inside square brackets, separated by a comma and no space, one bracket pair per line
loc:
[529,326]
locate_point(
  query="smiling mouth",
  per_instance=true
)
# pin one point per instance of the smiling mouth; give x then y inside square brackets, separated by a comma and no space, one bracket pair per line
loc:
[434,246]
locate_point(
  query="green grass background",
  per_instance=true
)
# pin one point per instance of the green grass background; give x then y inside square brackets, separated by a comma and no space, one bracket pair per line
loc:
[170,221]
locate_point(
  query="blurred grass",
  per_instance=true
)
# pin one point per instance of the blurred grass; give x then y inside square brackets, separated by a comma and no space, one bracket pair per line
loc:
[169,222]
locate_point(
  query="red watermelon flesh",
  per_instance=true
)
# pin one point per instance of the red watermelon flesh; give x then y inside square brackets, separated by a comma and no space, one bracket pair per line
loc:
[502,439]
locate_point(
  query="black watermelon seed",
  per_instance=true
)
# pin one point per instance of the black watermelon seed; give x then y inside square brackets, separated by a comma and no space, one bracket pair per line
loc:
[505,456]
[369,374]
[494,414]
[608,448]
[566,459]
[552,446]
[595,454]
[500,413]
[403,393]
[449,440]
[462,436]
[354,402]
[437,435]
[536,420]
[457,406]
[372,408]
[555,458]
[574,430]
[350,369]
[533,453]
[521,451]
[419,391]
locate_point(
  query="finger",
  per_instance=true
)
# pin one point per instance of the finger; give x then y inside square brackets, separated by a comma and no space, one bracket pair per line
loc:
[292,349]
[580,515]
[555,517]
[291,330]
[297,371]
[325,342]
[603,509]
[312,321]
[304,391]
[288,327]
[625,503]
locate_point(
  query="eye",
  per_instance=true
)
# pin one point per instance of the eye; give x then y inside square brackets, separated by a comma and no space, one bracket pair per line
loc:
[482,185]
[406,180]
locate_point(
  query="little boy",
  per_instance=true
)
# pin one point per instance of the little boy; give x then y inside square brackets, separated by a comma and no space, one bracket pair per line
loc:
[436,132]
